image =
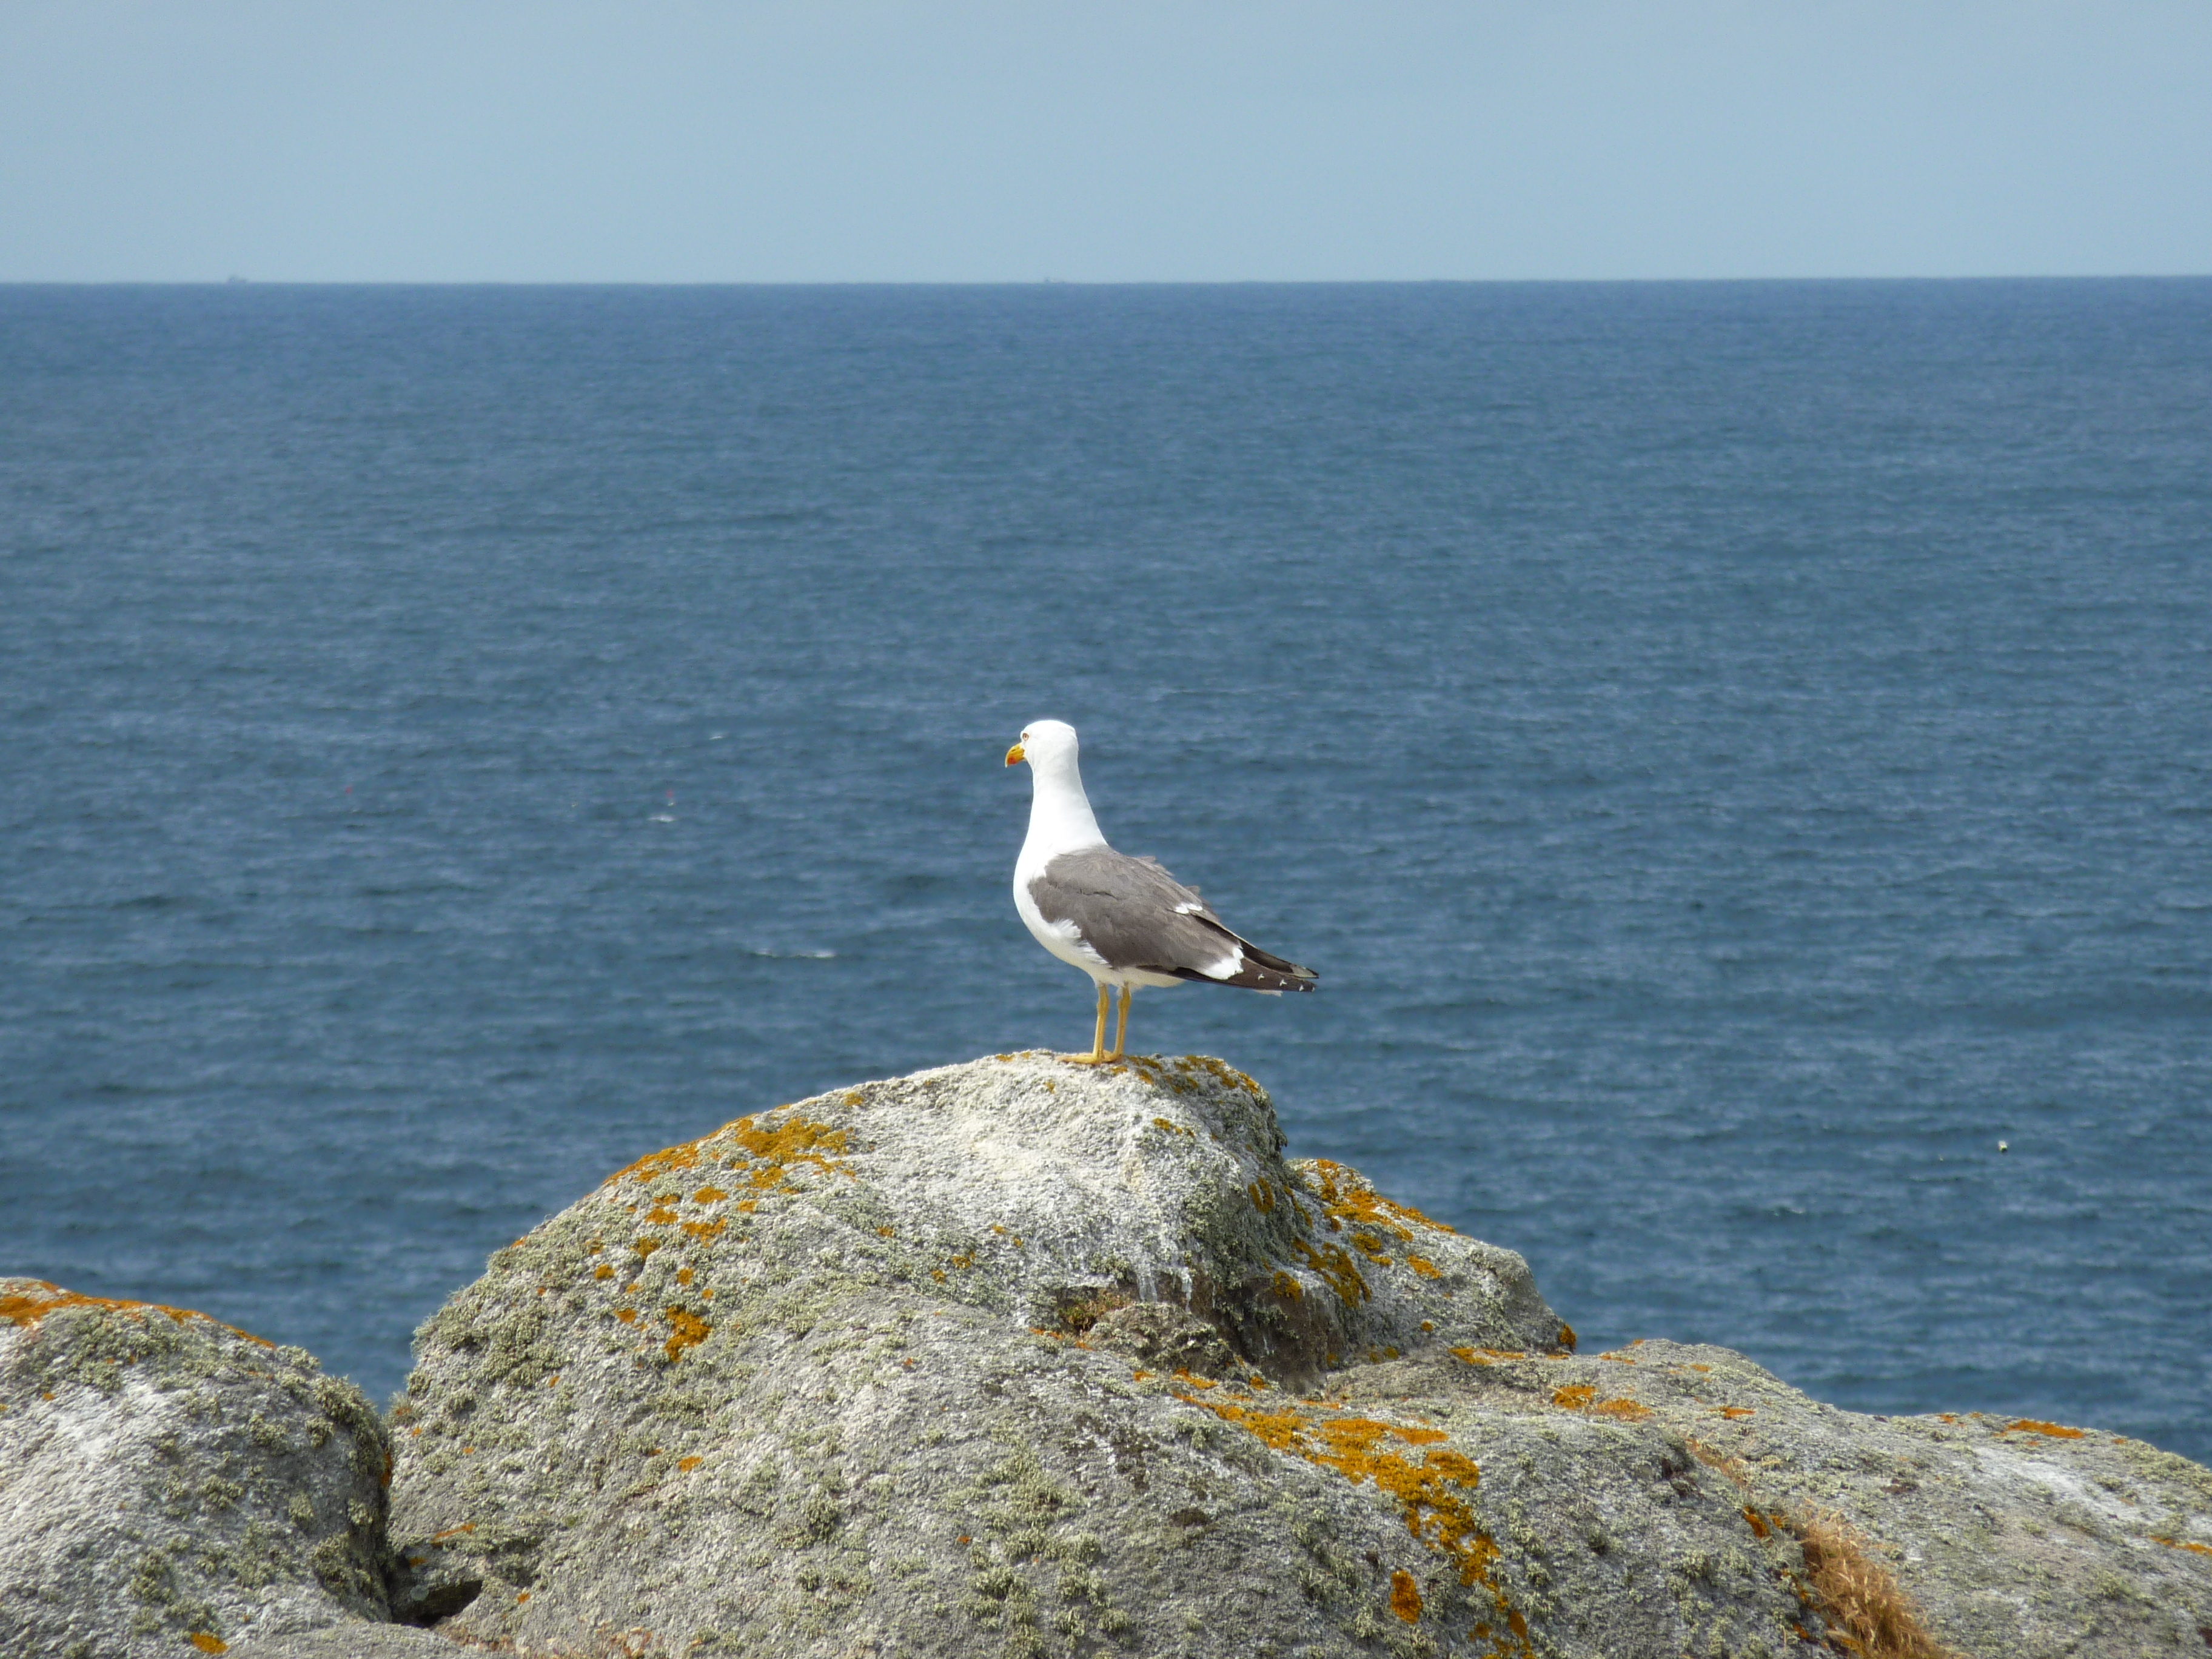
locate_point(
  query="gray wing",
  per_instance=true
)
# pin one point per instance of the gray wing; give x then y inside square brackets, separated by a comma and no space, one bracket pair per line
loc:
[1135,914]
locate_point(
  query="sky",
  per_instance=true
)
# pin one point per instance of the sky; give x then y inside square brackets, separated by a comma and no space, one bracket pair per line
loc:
[866,141]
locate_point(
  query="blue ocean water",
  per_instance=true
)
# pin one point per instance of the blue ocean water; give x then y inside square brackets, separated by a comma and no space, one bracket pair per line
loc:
[1735,753]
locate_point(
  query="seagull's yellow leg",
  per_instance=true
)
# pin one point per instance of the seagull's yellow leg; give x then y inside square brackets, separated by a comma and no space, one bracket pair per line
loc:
[1122,1030]
[1097,1054]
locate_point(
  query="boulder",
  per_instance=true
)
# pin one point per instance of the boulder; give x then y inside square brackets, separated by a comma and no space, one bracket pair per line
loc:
[1999,1536]
[1026,1358]
[169,1484]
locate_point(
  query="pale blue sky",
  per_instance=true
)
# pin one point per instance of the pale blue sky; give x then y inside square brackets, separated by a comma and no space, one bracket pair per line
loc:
[768,140]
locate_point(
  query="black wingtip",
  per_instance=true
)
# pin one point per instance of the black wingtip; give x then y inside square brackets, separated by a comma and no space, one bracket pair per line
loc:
[1263,970]
[1252,976]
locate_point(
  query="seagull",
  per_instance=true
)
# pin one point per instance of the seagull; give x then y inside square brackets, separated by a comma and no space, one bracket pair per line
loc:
[1124,921]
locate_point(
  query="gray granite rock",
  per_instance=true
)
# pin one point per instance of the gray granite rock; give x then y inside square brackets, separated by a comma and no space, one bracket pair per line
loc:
[169,1484]
[928,1253]
[2013,1537]
[1024,1357]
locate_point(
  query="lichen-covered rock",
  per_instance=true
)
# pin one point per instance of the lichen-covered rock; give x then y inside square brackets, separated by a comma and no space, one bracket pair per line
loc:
[2012,1537]
[1025,1357]
[168,1485]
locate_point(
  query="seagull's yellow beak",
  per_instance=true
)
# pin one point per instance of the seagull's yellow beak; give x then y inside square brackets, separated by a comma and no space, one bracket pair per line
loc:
[1015,755]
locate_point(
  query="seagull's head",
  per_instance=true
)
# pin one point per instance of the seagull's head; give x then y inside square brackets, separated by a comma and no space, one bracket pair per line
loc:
[1043,743]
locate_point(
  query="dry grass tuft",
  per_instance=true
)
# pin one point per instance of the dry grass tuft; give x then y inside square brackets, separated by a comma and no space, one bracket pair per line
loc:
[1861,1603]
[1867,1611]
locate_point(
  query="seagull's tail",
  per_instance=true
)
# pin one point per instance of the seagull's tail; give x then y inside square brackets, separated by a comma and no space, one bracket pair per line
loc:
[1260,970]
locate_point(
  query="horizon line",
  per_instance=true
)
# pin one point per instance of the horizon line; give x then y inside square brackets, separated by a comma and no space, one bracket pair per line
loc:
[236,281]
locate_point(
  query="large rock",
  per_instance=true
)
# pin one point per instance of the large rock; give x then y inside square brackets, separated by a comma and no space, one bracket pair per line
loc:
[169,1484]
[2011,1537]
[1021,1357]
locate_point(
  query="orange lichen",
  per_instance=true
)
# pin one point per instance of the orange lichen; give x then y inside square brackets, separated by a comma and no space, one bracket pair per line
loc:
[689,1331]
[688,1464]
[685,1275]
[2193,1548]
[798,1141]
[1423,1265]
[685,1156]
[703,1231]
[1333,1265]
[1287,1287]
[627,1315]
[1405,1597]
[26,1309]
[1486,1356]
[1263,1196]
[887,1232]
[1345,1197]
[766,1160]
[208,1642]
[1732,1413]
[1430,1494]
[1582,1397]
[1628,1410]
[646,1246]
[1566,1338]
[1755,1522]
[1219,1071]
[2055,1430]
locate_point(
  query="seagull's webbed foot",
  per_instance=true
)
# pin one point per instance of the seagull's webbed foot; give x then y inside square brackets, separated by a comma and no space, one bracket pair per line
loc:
[1098,1055]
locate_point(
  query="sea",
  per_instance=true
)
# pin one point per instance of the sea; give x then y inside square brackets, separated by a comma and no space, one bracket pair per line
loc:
[1739,756]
